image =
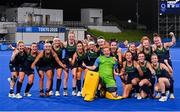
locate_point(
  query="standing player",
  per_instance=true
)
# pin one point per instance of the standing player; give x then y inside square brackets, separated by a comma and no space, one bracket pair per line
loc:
[45,64]
[91,55]
[17,69]
[132,49]
[146,48]
[100,43]
[116,53]
[78,59]
[58,48]
[31,55]
[70,49]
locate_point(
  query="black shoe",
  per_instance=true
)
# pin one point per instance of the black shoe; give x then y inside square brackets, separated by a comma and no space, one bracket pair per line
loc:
[41,94]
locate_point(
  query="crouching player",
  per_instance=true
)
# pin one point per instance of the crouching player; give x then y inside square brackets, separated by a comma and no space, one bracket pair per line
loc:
[147,81]
[164,80]
[106,65]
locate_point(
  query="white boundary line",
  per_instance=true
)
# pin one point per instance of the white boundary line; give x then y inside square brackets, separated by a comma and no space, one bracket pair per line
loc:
[90,111]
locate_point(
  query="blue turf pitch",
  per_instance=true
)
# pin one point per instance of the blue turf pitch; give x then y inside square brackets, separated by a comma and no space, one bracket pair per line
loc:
[76,103]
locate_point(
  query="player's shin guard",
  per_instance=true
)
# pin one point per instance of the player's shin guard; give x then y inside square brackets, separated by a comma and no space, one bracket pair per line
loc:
[19,85]
[79,85]
[28,87]
[58,84]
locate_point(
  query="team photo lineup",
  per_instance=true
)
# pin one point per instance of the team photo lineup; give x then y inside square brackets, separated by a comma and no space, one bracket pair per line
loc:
[145,70]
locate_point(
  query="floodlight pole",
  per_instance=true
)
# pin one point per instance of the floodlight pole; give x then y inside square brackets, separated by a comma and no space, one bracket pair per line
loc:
[158,3]
[40,4]
[137,13]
